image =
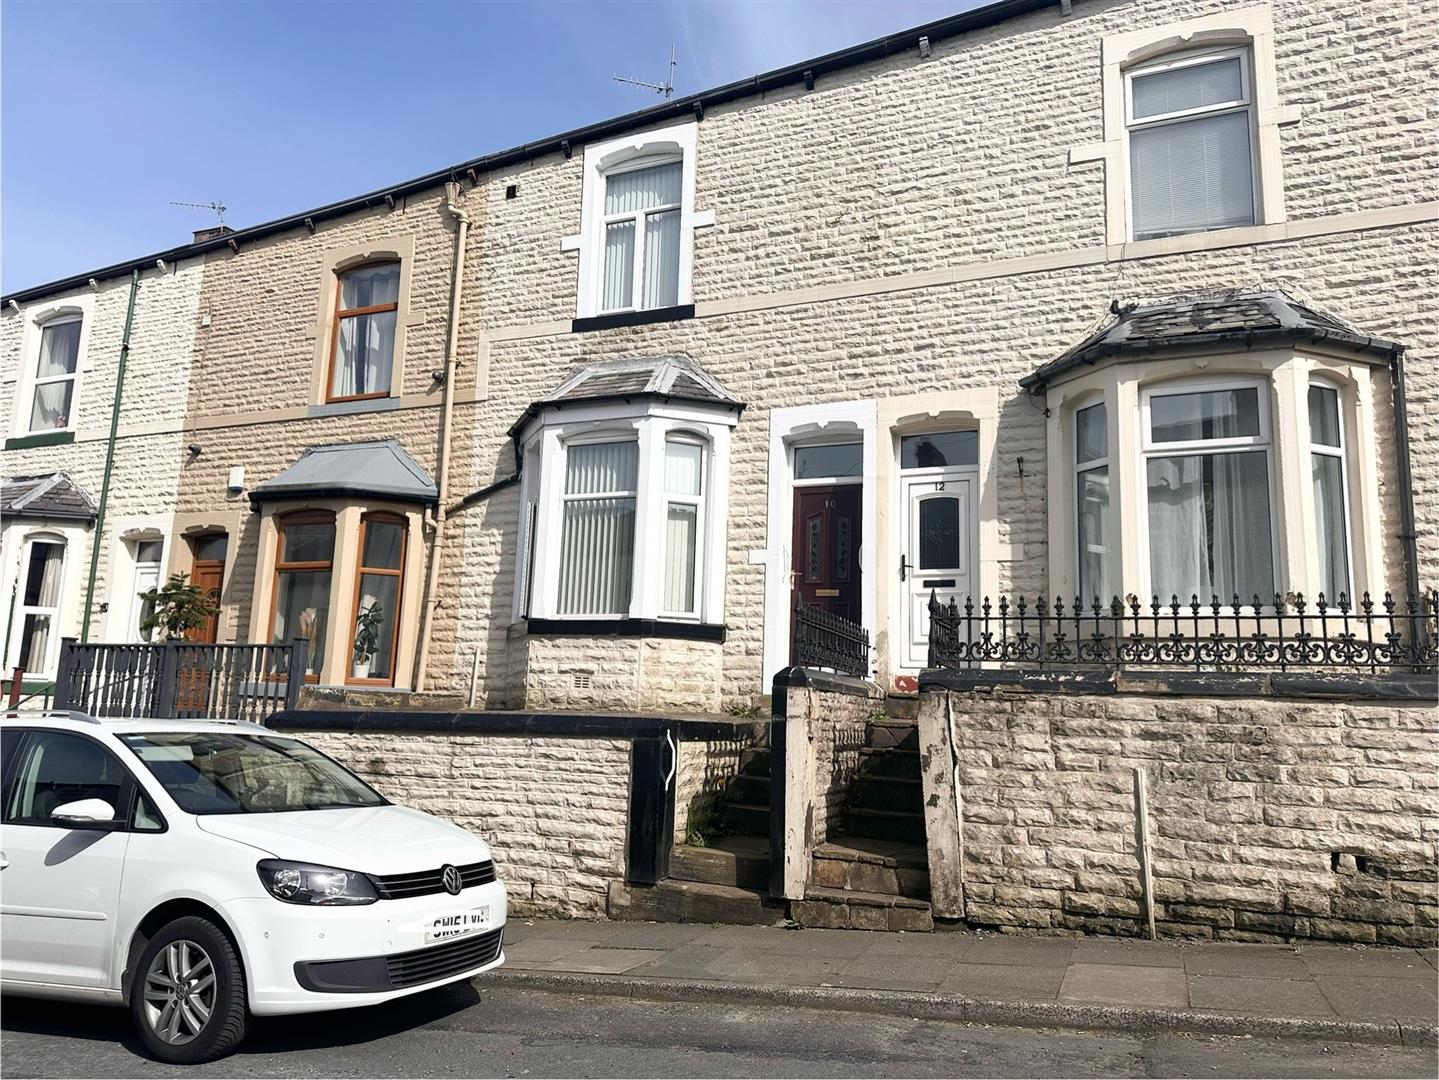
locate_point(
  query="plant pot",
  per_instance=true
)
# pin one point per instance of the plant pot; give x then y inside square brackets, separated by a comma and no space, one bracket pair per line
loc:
[361,668]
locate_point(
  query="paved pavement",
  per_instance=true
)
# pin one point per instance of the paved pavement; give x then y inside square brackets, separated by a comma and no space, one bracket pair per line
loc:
[1375,994]
[503,1031]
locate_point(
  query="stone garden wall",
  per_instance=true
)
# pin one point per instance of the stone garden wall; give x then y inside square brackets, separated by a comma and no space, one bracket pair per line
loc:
[1269,819]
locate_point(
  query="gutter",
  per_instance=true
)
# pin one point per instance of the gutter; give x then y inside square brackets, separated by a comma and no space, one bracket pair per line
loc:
[447,410]
[694,105]
[98,536]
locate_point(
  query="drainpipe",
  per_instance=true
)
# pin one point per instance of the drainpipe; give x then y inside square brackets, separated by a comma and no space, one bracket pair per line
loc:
[99,533]
[447,409]
[1407,538]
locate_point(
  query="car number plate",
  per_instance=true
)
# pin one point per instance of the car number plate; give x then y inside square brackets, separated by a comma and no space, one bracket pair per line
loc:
[457,924]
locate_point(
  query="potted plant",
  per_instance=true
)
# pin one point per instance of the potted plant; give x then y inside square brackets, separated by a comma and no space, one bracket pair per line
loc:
[175,609]
[368,624]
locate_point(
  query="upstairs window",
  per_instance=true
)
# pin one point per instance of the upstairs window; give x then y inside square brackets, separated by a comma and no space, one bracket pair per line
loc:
[642,238]
[1091,468]
[1207,485]
[55,373]
[1191,135]
[363,340]
[1326,455]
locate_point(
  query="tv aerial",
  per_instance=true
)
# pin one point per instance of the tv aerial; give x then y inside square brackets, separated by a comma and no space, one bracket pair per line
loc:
[217,208]
[666,88]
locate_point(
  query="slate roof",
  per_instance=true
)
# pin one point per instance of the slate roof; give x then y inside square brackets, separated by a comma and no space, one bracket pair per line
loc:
[362,468]
[50,495]
[675,378]
[1245,317]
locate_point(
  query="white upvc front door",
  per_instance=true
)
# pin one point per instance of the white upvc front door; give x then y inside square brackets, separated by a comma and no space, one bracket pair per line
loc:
[937,551]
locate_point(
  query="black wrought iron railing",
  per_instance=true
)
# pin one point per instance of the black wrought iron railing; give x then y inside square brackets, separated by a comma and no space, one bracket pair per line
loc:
[180,679]
[1290,633]
[823,639]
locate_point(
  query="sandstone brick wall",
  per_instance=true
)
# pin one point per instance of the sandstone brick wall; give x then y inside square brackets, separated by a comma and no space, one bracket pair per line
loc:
[1269,819]
[649,674]
[552,810]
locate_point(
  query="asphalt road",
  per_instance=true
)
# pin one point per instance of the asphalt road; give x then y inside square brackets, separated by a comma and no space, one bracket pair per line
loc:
[512,1032]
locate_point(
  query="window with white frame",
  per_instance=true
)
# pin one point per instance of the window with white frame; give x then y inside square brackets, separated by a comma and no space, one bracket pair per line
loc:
[1091,494]
[1191,144]
[637,223]
[1326,450]
[598,542]
[642,237]
[37,614]
[684,519]
[53,398]
[1207,485]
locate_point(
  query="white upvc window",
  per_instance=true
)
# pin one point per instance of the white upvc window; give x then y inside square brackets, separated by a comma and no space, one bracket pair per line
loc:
[53,399]
[1091,502]
[684,490]
[637,223]
[1207,480]
[37,609]
[1331,491]
[148,557]
[1191,144]
[597,547]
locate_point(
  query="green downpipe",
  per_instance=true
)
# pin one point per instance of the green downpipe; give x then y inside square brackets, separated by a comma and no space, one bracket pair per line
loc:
[99,534]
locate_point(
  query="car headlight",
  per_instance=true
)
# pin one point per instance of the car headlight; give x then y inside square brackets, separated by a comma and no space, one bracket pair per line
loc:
[305,883]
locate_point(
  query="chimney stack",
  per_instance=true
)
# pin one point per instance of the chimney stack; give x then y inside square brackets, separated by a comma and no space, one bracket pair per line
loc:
[214,232]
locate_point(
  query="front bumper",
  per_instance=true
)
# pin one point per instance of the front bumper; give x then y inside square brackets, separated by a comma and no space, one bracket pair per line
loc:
[303,959]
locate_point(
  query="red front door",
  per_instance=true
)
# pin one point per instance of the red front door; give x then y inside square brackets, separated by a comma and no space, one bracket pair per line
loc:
[826,549]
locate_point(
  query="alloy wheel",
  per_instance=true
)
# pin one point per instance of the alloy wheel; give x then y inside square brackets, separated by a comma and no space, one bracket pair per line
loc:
[180,992]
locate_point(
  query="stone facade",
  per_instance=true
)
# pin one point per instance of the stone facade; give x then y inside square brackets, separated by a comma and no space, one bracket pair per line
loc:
[1269,819]
[552,810]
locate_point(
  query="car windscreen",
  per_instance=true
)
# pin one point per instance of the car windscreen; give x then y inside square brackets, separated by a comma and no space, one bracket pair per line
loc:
[217,772]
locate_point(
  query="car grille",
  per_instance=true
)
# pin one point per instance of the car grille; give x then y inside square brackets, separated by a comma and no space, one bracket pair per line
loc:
[442,961]
[428,882]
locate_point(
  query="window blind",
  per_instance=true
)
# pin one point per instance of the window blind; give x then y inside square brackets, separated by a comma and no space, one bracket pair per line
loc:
[1191,175]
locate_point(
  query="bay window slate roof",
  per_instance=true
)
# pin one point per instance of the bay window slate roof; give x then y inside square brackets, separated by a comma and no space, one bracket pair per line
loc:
[671,378]
[49,495]
[1244,318]
[372,469]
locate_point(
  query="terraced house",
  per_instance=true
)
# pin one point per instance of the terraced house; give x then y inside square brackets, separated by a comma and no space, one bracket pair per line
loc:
[1124,303]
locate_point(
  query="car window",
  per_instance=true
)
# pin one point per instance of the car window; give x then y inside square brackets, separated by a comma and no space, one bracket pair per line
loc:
[217,772]
[56,768]
[9,746]
[146,817]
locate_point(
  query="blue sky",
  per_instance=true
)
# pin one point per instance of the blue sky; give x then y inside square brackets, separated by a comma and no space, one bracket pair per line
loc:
[110,110]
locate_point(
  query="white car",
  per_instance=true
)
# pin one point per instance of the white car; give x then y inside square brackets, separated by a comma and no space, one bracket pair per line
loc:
[201,871]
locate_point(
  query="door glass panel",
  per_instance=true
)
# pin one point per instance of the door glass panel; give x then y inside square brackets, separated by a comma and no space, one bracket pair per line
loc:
[938,449]
[842,547]
[814,562]
[939,533]
[843,459]
[209,548]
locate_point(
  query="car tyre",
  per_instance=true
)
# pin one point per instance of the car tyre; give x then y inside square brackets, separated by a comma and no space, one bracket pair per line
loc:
[187,997]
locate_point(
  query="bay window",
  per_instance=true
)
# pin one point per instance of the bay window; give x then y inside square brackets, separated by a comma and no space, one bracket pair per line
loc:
[379,592]
[363,337]
[1326,455]
[684,488]
[1206,476]
[1091,457]
[1190,130]
[597,550]
[303,567]
[38,612]
[53,399]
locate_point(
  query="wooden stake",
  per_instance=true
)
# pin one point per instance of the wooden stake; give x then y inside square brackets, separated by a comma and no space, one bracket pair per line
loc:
[1141,836]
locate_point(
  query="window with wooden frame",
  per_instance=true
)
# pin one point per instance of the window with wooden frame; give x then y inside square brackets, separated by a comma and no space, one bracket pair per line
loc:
[362,340]
[304,562]
[379,594]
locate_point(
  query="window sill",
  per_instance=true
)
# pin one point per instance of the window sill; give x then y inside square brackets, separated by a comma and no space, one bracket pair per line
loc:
[43,438]
[652,628]
[357,405]
[633,318]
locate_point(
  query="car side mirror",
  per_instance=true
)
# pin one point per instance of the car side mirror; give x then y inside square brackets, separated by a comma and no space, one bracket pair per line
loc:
[86,814]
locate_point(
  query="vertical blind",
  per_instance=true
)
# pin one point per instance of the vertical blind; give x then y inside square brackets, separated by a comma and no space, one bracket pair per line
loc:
[643,193]
[1193,174]
[1328,475]
[683,462]
[597,544]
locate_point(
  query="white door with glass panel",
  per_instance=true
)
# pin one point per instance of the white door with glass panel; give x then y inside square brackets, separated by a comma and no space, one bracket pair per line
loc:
[939,482]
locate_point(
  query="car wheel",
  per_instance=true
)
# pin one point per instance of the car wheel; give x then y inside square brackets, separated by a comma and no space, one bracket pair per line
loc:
[188,996]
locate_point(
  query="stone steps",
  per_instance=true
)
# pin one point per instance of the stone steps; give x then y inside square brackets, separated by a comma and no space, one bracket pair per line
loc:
[754,761]
[892,734]
[900,793]
[745,819]
[864,865]
[839,909]
[748,789]
[731,863]
[884,824]
[693,901]
[903,763]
